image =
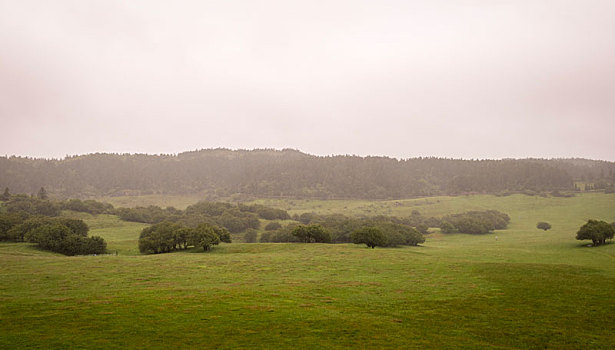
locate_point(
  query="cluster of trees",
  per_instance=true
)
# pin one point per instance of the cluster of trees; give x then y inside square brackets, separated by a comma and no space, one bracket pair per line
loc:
[152,214]
[264,211]
[290,173]
[87,206]
[388,235]
[474,222]
[341,226]
[338,228]
[281,235]
[168,236]
[234,218]
[311,234]
[35,219]
[397,231]
[32,205]
[60,235]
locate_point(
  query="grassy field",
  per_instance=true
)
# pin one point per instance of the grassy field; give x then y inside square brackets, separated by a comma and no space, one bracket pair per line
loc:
[526,289]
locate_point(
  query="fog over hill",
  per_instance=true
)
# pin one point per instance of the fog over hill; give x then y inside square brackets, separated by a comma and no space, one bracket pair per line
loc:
[290,173]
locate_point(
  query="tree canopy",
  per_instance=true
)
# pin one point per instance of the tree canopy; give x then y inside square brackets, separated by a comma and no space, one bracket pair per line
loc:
[370,236]
[61,235]
[234,218]
[311,234]
[597,231]
[168,236]
[475,222]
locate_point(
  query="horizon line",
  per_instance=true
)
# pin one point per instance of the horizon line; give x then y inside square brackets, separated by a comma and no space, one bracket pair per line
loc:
[68,156]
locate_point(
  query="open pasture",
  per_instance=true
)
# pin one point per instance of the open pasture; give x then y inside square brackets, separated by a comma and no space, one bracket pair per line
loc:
[527,289]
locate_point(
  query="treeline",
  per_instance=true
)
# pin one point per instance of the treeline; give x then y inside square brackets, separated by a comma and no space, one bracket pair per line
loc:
[234,218]
[35,205]
[222,173]
[393,234]
[167,236]
[394,231]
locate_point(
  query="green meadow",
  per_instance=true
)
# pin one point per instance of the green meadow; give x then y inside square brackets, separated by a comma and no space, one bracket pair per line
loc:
[516,288]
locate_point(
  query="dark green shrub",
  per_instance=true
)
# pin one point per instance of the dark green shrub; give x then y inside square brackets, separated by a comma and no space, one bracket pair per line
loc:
[250,236]
[272,226]
[543,226]
[311,234]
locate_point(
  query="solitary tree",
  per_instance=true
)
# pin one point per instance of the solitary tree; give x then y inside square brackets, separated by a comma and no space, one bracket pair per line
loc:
[6,195]
[543,226]
[370,236]
[597,231]
[42,194]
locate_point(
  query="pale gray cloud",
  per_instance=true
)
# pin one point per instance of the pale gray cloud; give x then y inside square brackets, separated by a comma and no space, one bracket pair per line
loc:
[471,79]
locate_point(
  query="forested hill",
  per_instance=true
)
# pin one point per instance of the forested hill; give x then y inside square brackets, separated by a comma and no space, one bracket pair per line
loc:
[290,173]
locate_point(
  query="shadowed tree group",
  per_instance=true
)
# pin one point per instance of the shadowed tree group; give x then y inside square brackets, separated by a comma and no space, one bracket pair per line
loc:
[167,236]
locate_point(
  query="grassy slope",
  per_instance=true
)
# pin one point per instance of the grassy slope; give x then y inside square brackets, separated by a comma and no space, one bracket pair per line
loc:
[528,288]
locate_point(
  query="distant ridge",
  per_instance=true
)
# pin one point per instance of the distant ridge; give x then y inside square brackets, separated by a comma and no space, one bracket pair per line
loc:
[291,173]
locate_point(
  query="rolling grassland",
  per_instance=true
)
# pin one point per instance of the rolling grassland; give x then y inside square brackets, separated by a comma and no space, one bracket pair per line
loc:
[527,288]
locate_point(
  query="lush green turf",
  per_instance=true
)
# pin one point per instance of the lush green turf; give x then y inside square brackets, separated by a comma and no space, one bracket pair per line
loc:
[527,289]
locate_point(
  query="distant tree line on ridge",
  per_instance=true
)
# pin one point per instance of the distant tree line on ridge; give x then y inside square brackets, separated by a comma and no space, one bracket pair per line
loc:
[221,173]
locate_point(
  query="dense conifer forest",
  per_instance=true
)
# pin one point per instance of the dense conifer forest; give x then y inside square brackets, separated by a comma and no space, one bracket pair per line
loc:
[289,173]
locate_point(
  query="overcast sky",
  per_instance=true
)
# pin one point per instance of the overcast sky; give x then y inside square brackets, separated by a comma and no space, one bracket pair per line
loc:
[462,79]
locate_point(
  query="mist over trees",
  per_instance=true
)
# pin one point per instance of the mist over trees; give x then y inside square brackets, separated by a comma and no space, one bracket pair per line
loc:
[289,173]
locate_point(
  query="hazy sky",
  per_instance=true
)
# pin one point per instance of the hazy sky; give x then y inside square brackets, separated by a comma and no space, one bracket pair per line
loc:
[463,79]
